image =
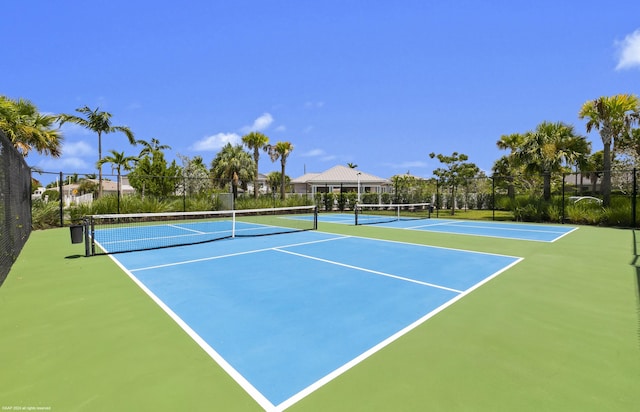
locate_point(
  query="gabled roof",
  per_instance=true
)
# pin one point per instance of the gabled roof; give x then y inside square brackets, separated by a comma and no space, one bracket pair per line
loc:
[340,174]
[304,178]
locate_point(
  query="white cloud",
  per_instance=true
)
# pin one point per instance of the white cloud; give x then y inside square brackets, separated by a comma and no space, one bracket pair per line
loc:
[629,51]
[74,149]
[281,128]
[314,153]
[76,130]
[65,164]
[408,164]
[216,142]
[314,105]
[260,124]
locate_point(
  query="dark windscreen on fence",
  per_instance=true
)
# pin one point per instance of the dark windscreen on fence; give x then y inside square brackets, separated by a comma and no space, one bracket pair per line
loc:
[15,204]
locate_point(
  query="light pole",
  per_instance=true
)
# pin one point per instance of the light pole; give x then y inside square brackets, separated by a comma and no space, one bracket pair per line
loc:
[358,177]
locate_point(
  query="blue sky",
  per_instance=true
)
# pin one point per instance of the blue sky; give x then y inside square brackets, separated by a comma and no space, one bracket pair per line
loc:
[378,84]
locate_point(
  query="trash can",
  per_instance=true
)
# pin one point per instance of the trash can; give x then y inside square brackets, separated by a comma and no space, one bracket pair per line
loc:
[77,233]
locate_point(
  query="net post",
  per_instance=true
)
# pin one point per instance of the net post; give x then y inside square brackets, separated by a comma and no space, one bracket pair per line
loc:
[315,218]
[87,245]
[233,224]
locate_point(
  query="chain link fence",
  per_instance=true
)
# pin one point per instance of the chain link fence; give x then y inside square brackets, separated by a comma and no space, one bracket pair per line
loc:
[15,204]
[555,198]
[71,196]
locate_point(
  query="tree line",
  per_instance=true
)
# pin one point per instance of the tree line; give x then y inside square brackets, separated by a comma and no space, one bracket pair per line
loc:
[149,171]
[549,148]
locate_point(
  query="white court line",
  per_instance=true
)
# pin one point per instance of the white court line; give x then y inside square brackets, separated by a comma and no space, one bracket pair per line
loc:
[112,242]
[355,361]
[186,262]
[489,226]
[369,270]
[246,385]
[565,234]
[237,376]
[423,245]
[187,229]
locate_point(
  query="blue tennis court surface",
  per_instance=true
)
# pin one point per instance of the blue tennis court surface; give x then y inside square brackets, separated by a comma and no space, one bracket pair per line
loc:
[285,314]
[505,230]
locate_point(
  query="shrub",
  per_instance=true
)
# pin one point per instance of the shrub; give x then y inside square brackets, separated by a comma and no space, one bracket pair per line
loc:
[51,195]
[45,215]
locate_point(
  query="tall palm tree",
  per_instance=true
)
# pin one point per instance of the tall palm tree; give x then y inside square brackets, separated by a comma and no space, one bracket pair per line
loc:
[98,122]
[152,146]
[352,165]
[118,162]
[508,164]
[255,141]
[28,129]
[233,164]
[549,148]
[612,117]
[281,150]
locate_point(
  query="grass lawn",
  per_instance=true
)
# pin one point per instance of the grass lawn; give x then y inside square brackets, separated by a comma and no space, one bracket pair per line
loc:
[560,331]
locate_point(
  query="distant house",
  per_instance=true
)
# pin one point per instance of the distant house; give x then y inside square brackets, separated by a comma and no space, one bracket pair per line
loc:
[263,188]
[340,178]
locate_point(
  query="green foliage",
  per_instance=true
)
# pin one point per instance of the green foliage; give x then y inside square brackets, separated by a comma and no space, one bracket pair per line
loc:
[369,198]
[51,195]
[584,213]
[342,201]
[531,212]
[45,215]
[152,176]
[352,199]
[328,201]
[265,202]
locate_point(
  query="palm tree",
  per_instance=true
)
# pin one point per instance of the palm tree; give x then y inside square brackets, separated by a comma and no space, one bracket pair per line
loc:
[255,141]
[612,117]
[233,164]
[118,162]
[280,150]
[99,122]
[28,129]
[506,166]
[352,165]
[593,167]
[152,146]
[550,147]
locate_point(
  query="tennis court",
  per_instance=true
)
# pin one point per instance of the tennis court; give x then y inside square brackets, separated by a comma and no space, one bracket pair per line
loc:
[343,318]
[285,314]
[503,230]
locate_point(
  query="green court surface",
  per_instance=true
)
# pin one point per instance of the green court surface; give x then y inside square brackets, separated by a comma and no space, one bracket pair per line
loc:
[560,331]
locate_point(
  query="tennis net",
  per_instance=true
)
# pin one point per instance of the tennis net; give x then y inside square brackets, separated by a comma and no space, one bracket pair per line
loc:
[117,233]
[368,214]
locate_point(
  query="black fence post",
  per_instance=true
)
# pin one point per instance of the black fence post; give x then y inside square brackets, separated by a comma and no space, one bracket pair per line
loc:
[493,197]
[437,197]
[61,200]
[633,199]
[562,218]
[118,184]
[184,193]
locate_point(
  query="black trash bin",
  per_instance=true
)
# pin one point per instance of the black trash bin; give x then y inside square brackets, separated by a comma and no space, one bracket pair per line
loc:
[77,233]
